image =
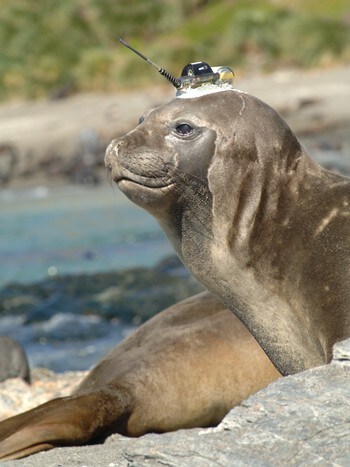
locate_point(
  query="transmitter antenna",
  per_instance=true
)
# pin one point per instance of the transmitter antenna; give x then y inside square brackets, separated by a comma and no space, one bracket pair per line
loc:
[174,81]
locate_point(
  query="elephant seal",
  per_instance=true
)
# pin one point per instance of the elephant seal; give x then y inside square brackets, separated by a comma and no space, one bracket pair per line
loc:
[13,360]
[257,221]
[186,367]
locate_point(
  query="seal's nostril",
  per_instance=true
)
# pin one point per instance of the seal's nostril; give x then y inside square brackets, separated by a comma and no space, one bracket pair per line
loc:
[113,147]
[112,154]
[116,147]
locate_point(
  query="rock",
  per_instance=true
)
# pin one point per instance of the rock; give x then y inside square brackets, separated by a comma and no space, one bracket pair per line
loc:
[302,419]
[132,295]
[8,161]
[341,352]
[13,360]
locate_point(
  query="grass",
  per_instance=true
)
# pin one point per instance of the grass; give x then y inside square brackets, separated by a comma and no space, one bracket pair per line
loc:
[58,47]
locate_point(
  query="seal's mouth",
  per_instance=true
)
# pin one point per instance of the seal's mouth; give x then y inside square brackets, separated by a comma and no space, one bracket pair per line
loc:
[124,179]
[148,183]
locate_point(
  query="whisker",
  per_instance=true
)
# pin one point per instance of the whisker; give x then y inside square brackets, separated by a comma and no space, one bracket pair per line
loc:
[195,177]
[109,177]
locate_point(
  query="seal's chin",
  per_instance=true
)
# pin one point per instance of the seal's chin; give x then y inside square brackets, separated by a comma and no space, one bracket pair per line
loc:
[143,195]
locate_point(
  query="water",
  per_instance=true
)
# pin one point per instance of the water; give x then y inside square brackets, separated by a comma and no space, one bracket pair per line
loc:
[73,229]
[69,230]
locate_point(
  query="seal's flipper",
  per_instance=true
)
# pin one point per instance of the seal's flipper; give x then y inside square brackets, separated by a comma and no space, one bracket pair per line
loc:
[63,422]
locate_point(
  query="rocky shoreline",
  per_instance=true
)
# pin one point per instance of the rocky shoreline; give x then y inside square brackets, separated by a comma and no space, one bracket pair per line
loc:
[16,396]
[132,295]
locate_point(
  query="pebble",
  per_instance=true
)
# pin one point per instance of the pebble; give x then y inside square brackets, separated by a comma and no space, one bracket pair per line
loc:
[16,396]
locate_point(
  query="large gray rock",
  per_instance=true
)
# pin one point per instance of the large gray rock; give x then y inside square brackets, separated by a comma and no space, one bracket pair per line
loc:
[298,420]
[13,360]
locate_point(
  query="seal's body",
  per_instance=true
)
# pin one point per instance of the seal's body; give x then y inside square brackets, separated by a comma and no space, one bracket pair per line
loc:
[186,367]
[262,226]
[254,218]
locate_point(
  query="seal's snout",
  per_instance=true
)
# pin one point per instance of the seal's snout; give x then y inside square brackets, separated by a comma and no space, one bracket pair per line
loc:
[112,154]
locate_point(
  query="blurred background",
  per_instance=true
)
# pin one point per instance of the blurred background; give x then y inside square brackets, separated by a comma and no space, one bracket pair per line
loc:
[80,265]
[53,48]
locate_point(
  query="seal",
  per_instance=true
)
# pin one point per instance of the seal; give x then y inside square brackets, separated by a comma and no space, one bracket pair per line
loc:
[185,367]
[257,221]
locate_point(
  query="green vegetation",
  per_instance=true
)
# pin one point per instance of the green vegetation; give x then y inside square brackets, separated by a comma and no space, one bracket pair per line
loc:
[53,46]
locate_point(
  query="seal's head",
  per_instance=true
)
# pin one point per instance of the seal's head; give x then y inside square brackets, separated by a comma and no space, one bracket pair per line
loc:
[195,148]
[243,205]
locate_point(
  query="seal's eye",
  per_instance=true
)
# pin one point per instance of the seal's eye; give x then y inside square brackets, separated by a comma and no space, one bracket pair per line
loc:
[141,119]
[183,129]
